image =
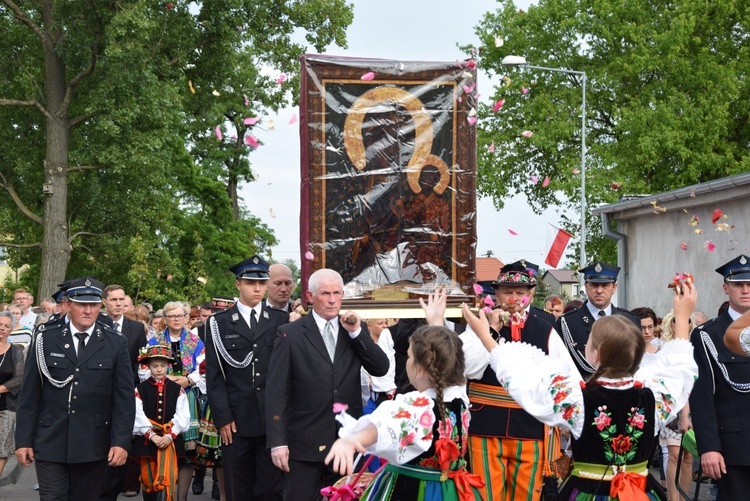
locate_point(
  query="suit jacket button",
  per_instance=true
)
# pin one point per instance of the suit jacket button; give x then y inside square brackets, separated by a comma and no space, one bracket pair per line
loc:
[255,346]
[77,369]
[73,412]
[76,383]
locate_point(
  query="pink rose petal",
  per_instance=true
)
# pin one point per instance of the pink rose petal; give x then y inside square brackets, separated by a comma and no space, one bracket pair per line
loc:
[710,247]
[524,90]
[478,289]
[368,76]
[293,119]
[488,301]
[339,407]
[512,232]
[251,140]
[247,101]
[251,120]
[472,120]
[491,148]
[469,88]
[219,136]
[527,133]
[498,105]
[683,246]
[576,171]
[534,179]
[309,256]
[281,79]
[487,310]
[545,183]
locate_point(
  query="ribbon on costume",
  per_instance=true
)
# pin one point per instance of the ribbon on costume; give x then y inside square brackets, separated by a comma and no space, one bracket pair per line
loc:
[164,465]
[628,486]
[516,328]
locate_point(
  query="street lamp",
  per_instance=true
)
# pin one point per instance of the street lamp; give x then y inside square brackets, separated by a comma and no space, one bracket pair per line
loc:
[521,61]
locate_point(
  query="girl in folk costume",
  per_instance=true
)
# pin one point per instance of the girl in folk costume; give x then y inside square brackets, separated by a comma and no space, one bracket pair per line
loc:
[615,417]
[161,415]
[422,434]
[188,352]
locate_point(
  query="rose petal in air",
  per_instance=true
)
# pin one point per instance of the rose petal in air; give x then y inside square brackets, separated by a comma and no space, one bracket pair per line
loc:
[469,88]
[216,93]
[498,105]
[527,133]
[716,215]
[576,171]
[499,41]
[491,148]
[219,136]
[683,246]
[367,76]
[488,301]
[478,289]
[545,183]
[309,256]
[472,120]
[524,90]
[281,79]
[534,179]
[293,119]
[339,407]
[247,101]
[512,232]
[272,124]
[251,120]
[251,140]
[710,247]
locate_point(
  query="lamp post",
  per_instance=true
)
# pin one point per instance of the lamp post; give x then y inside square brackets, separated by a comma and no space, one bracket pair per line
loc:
[521,61]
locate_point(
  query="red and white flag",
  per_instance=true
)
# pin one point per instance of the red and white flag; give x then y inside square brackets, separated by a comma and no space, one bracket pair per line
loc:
[557,241]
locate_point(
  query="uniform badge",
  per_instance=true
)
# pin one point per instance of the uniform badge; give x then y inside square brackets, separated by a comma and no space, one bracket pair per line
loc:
[255,260]
[66,345]
[235,317]
[60,355]
[322,448]
[598,268]
[586,320]
[87,283]
[743,260]
[265,314]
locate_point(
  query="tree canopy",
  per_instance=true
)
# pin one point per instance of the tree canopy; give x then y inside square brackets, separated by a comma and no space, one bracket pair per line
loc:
[123,135]
[667,94]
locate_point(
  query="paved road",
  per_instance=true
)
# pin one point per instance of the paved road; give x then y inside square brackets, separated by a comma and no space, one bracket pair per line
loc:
[17,484]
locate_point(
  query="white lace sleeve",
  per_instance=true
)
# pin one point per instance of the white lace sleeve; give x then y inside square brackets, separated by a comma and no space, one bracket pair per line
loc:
[142,424]
[404,427]
[476,356]
[670,375]
[545,387]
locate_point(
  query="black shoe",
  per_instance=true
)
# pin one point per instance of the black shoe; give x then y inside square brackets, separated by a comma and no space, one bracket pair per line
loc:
[215,492]
[197,487]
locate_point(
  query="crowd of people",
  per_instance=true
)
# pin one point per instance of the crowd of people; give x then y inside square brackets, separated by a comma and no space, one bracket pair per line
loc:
[510,402]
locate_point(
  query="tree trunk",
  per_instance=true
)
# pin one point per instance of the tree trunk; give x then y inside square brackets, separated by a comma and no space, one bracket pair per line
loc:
[232,192]
[55,246]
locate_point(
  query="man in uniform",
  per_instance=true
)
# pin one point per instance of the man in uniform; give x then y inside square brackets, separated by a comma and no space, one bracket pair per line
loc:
[720,399]
[508,447]
[76,408]
[239,341]
[600,280]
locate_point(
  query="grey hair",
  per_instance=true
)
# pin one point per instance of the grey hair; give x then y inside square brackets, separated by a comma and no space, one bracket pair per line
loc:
[173,305]
[12,318]
[323,275]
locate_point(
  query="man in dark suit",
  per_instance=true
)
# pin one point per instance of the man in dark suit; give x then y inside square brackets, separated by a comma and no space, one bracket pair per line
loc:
[280,287]
[720,398]
[600,280]
[76,408]
[315,363]
[239,341]
[122,478]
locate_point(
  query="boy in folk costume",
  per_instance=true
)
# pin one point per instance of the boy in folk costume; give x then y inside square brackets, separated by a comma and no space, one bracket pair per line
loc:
[161,415]
[509,448]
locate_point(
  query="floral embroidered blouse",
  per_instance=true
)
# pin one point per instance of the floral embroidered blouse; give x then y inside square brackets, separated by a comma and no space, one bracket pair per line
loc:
[549,392]
[191,349]
[407,428]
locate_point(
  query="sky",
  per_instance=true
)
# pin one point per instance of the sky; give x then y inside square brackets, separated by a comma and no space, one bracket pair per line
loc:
[410,30]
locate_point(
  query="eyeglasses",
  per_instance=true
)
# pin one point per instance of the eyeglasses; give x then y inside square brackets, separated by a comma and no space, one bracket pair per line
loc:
[174,317]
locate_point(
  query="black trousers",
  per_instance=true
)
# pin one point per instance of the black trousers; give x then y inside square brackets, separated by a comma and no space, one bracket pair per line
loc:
[249,473]
[305,479]
[70,481]
[735,484]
